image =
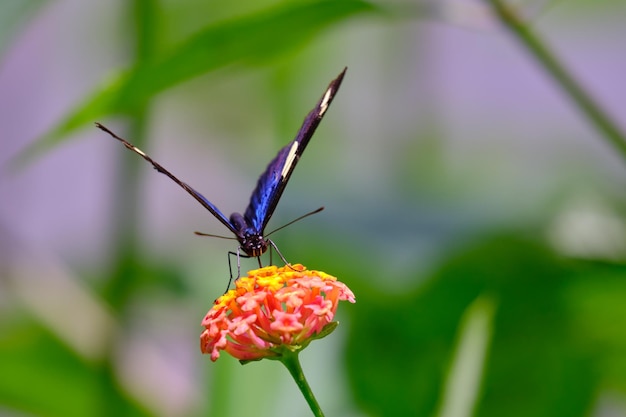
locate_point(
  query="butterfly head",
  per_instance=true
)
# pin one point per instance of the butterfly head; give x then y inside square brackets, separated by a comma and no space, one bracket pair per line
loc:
[253,244]
[250,239]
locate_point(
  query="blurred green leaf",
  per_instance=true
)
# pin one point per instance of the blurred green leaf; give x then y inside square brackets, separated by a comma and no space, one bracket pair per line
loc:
[541,362]
[466,370]
[139,274]
[41,376]
[98,104]
[596,308]
[252,39]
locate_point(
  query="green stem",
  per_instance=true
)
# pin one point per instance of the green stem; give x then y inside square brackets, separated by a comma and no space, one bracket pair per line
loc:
[125,236]
[291,361]
[546,58]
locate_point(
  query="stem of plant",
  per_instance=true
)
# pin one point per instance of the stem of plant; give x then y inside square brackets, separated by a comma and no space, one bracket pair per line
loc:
[291,361]
[547,59]
[125,238]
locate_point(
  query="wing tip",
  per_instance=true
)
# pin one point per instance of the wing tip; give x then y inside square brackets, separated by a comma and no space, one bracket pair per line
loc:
[334,84]
[332,89]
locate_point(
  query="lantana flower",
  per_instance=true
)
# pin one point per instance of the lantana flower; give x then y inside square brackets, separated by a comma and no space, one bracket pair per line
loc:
[273,311]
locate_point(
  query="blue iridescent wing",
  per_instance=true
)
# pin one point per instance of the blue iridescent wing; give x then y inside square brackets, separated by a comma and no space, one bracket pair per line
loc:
[272,182]
[199,197]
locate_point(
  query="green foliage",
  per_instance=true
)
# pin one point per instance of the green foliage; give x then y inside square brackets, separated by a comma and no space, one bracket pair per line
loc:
[42,376]
[252,40]
[541,359]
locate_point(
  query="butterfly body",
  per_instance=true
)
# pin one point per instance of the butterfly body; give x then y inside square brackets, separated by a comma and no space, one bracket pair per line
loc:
[249,228]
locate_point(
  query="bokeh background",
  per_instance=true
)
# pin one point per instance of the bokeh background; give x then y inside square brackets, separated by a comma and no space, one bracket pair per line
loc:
[472,207]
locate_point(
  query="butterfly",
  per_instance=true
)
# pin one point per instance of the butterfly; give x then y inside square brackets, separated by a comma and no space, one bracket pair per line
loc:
[249,228]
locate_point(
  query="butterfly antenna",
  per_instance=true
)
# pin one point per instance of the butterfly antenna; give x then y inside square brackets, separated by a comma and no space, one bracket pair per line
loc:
[293,221]
[217,236]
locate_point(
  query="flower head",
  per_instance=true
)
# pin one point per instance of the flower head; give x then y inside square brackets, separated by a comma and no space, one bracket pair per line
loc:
[270,310]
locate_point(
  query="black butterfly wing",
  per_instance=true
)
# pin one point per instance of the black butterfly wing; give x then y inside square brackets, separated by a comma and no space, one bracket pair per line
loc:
[272,182]
[199,197]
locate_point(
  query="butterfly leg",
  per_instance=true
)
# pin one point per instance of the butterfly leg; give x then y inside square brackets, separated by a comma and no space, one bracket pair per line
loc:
[239,255]
[273,245]
[230,268]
